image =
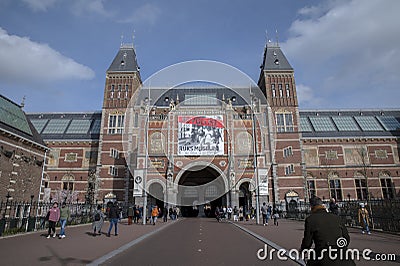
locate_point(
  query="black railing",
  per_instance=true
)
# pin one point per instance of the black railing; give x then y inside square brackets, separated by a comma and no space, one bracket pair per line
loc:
[384,214]
[19,217]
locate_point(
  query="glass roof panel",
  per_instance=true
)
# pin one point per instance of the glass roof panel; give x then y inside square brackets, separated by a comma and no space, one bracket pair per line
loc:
[39,124]
[322,123]
[56,126]
[305,125]
[390,123]
[345,123]
[96,127]
[368,123]
[79,127]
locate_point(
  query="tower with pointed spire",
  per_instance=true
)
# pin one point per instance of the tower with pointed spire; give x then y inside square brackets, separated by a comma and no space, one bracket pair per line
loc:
[278,84]
[122,81]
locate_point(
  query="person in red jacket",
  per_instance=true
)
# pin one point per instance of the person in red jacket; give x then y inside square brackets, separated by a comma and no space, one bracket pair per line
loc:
[54,216]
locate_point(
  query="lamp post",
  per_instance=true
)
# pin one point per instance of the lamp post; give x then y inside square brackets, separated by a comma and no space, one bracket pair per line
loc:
[29,214]
[8,196]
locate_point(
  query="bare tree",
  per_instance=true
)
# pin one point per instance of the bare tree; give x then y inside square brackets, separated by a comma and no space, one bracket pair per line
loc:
[361,159]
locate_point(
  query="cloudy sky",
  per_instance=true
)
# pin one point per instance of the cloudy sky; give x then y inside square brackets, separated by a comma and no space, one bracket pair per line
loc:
[345,53]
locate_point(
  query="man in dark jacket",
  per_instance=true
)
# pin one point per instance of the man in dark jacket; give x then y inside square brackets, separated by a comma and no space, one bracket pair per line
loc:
[327,232]
[113,216]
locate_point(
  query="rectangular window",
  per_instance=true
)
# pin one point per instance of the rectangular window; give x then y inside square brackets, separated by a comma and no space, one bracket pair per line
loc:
[287,90]
[287,152]
[273,90]
[113,171]
[361,188]
[68,185]
[116,124]
[311,188]
[387,188]
[114,153]
[126,91]
[112,91]
[336,189]
[284,122]
[289,169]
[288,122]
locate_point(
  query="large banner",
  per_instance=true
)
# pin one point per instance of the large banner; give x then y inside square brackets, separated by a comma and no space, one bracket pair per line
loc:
[201,135]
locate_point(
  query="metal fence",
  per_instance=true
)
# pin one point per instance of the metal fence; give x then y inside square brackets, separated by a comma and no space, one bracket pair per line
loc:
[18,217]
[384,214]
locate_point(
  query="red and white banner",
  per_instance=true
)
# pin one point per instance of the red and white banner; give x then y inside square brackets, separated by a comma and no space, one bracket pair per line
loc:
[201,135]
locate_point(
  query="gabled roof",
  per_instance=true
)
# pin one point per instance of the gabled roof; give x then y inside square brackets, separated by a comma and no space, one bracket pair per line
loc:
[14,120]
[67,126]
[274,59]
[125,60]
[350,123]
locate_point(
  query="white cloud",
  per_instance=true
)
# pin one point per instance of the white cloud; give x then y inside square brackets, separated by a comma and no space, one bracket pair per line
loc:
[146,14]
[306,95]
[84,7]
[39,5]
[347,46]
[23,61]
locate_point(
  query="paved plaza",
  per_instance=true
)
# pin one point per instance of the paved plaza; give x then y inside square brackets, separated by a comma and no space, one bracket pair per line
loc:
[188,241]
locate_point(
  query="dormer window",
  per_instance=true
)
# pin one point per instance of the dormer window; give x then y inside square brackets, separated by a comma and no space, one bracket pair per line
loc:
[276,61]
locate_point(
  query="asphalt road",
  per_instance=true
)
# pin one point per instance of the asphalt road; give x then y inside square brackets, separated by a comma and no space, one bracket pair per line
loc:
[197,241]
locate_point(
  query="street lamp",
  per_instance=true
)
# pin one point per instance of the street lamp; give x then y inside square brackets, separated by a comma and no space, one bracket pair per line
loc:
[8,196]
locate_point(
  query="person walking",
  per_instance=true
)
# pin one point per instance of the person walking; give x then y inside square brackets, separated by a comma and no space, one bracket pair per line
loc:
[363,218]
[64,216]
[235,214]
[54,216]
[98,220]
[240,213]
[264,210]
[130,214]
[229,210]
[165,214]
[327,232]
[333,207]
[154,214]
[113,216]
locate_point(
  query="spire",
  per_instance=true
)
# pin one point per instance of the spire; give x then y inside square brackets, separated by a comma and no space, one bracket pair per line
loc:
[125,60]
[23,102]
[273,58]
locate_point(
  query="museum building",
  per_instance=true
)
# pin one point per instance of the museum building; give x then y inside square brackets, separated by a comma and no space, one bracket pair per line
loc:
[202,142]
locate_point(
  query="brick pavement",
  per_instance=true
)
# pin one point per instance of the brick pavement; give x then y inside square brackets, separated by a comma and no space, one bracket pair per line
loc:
[289,234]
[78,248]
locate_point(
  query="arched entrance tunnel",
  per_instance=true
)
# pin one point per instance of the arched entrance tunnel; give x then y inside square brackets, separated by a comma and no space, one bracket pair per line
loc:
[201,190]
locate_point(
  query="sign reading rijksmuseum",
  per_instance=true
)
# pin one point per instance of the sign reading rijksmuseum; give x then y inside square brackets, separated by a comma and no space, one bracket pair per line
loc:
[201,135]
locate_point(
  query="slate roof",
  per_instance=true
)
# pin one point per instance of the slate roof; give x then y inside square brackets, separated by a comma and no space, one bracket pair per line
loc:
[13,119]
[84,126]
[125,60]
[274,59]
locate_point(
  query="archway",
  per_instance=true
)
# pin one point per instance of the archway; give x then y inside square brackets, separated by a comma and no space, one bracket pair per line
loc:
[200,190]
[245,197]
[155,197]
